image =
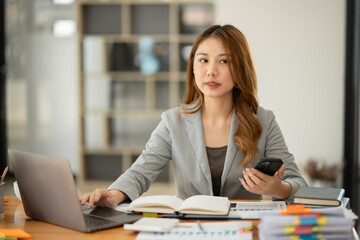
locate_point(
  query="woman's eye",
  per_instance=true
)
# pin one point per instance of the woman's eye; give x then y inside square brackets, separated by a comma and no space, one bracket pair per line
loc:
[203,60]
[223,61]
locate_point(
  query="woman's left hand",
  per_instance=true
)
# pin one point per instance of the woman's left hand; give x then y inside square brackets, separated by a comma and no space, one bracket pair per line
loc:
[259,183]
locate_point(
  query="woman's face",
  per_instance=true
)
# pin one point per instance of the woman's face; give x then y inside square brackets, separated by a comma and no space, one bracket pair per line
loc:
[212,69]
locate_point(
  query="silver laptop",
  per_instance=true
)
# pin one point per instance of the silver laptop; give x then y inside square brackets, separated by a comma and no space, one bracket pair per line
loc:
[48,193]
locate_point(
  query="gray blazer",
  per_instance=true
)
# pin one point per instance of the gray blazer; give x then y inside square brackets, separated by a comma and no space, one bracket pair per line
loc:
[182,141]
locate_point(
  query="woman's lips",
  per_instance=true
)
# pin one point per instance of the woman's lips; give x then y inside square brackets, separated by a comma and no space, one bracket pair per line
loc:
[212,84]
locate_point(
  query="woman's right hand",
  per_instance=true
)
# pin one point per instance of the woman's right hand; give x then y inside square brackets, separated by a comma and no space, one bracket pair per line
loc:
[103,198]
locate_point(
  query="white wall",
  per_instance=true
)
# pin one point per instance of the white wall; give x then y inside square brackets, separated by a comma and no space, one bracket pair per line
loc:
[298,47]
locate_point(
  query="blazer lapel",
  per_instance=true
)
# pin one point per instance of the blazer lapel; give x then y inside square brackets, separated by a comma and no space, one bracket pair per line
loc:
[232,149]
[194,129]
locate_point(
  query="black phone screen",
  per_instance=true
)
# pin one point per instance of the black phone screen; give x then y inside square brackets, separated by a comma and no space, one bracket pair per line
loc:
[269,166]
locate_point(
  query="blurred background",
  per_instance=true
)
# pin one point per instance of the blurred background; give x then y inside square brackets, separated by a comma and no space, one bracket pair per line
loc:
[88,80]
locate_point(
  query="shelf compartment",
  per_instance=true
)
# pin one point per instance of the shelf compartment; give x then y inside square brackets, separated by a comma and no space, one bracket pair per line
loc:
[101,19]
[161,95]
[103,167]
[194,18]
[146,56]
[94,56]
[130,132]
[182,89]
[121,57]
[149,19]
[128,95]
[97,93]
[184,53]
[93,131]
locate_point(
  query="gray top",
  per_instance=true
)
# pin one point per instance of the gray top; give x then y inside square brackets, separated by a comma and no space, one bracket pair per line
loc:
[216,156]
[182,141]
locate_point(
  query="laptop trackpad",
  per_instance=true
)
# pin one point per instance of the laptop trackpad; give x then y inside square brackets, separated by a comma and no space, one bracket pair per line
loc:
[111,214]
[104,212]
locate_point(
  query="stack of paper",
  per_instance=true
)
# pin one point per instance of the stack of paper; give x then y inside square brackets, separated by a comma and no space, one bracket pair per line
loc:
[299,222]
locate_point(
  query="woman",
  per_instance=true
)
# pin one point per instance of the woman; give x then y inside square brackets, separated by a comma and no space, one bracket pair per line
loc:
[216,137]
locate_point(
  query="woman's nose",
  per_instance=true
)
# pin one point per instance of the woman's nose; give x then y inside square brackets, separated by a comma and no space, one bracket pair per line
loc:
[211,70]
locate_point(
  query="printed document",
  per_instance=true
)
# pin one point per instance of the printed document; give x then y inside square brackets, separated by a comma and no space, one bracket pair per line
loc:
[252,210]
[229,230]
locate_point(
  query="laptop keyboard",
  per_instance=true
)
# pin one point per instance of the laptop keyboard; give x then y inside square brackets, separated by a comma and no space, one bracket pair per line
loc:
[95,221]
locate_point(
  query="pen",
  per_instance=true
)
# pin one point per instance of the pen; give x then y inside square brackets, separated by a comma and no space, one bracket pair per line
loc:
[4,174]
[199,226]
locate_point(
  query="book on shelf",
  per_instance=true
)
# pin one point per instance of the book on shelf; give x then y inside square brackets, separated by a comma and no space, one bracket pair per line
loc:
[199,204]
[319,196]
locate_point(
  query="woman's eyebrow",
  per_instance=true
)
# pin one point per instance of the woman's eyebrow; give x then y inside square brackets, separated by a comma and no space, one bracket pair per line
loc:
[201,53]
[205,54]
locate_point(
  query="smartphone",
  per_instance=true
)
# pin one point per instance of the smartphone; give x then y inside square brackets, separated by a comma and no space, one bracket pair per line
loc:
[268,166]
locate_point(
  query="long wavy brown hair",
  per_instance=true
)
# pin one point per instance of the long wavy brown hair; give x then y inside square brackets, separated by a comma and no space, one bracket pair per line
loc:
[244,92]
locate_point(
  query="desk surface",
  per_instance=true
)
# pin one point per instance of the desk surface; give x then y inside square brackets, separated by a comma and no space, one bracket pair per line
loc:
[15,218]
